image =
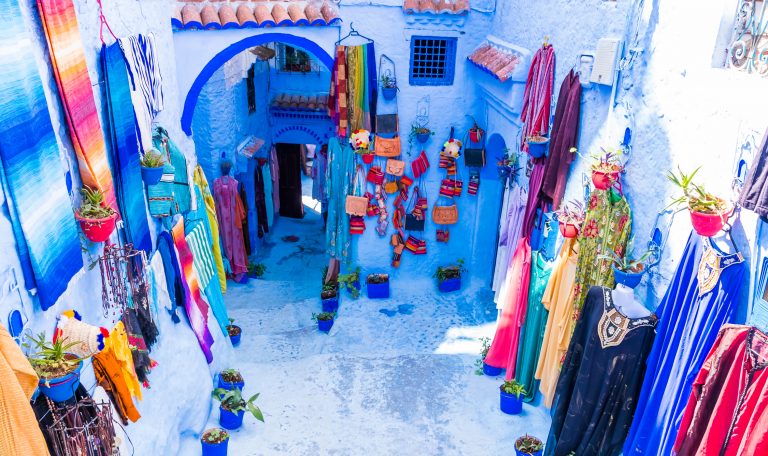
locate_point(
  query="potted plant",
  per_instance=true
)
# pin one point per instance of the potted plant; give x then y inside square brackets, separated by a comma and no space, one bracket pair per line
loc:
[330,296]
[511,397]
[378,286]
[537,145]
[59,370]
[708,212]
[233,407]
[234,332]
[476,133]
[627,271]
[152,167]
[420,132]
[256,270]
[231,378]
[324,320]
[481,367]
[97,220]
[606,168]
[214,442]
[449,277]
[388,86]
[528,445]
[351,282]
[360,140]
[570,217]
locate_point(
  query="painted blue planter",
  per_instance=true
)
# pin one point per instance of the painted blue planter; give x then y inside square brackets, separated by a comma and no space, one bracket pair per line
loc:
[538,149]
[235,339]
[229,420]
[510,404]
[331,304]
[151,176]
[63,388]
[629,279]
[389,93]
[491,371]
[378,290]
[215,449]
[423,137]
[449,285]
[324,325]
[520,453]
[230,386]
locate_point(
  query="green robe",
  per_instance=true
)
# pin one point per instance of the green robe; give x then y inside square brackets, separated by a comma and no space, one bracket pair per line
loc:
[532,332]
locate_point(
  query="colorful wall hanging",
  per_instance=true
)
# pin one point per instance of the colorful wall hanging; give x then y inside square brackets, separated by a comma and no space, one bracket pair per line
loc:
[30,166]
[146,82]
[68,61]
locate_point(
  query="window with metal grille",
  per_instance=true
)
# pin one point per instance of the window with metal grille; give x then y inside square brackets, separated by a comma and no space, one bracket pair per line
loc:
[433,60]
[294,60]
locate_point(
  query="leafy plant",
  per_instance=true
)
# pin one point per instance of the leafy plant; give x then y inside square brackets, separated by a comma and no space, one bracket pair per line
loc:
[377,278]
[231,376]
[232,328]
[626,263]
[152,159]
[571,213]
[513,387]
[51,359]
[455,271]
[388,81]
[528,444]
[233,401]
[483,353]
[323,316]
[348,282]
[92,205]
[215,436]
[257,269]
[607,161]
[536,138]
[694,196]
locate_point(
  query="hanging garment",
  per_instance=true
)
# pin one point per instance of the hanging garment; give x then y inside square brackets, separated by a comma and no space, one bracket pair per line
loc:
[602,373]
[558,302]
[194,304]
[124,148]
[537,98]
[503,350]
[727,412]
[67,55]
[565,135]
[754,193]
[19,433]
[532,332]
[338,110]
[702,296]
[269,201]
[179,185]
[44,229]
[213,224]
[244,200]
[118,345]
[142,364]
[274,167]
[114,371]
[341,167]
[230,214]
[607,226]
[146,82]
[319,167]
[261,202]
[509,235]
[167,251]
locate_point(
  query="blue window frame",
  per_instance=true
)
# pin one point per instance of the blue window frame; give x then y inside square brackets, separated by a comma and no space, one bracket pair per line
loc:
[433,60]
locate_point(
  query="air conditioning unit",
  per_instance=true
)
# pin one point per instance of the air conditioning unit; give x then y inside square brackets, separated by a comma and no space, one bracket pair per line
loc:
[606,59]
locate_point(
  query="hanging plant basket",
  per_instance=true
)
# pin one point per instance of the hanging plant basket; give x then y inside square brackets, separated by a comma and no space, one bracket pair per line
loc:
[97,230]
[368,158]
[151,176]
[628,279]
[708,224]
[62,388]
[604,180]
[569,230]
[476,134]
[389,93]
[537,146]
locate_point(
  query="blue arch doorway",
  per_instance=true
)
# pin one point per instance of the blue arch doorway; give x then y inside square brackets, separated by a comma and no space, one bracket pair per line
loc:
[190,101]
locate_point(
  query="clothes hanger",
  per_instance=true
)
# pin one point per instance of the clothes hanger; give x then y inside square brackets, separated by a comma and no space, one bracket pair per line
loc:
[353,33]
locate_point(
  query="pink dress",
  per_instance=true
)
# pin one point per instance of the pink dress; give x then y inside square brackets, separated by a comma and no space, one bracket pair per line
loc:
[231,214]
[514,297]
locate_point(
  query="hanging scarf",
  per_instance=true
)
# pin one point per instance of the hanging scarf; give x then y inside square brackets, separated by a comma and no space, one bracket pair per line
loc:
[337,97]
[213,224]
[537,98]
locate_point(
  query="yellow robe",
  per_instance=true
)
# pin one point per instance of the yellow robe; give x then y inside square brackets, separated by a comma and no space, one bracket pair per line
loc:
[20,434]
[210,209]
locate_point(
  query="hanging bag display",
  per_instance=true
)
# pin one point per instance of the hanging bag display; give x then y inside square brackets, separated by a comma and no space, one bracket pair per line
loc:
[458,186]
[443,235]
[474,158]
[395,167]
[474,152]
[415,220]
[415,245]
[373,208]
[357,204]
[356,225]
[387,142]
[392,187]
[445,215]
[420,165]
[375,175]
[474,183]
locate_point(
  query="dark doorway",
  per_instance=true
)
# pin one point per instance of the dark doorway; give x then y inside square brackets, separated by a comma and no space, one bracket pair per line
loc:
[289,162]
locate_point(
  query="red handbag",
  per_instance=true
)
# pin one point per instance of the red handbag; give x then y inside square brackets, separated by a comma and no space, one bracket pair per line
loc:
[420,164]
[416,246]
[443,235]
[375,175]
[356,225]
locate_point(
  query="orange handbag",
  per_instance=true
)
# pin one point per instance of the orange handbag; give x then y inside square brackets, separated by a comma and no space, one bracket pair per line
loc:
[445,215]
[356,204]
[387,147]
[395,167]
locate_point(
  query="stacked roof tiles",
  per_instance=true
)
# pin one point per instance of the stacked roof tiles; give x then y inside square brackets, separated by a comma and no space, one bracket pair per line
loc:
[497,61]
[312,103]
[452,7]
[223,14]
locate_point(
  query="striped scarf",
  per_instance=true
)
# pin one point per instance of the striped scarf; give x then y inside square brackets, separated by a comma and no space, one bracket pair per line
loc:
[537,98]
[146,82]
[337,98]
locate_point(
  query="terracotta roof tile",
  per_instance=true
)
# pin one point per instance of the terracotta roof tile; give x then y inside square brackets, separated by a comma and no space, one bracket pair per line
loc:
[499,62]
[294,102]
[452,7]
[225,14]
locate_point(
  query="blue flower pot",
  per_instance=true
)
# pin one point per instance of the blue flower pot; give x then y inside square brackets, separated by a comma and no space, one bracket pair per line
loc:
[229,420]
[378,290]
[629,279]
[423,137]
[449,285]
[491,371]
[355,285]
[389,93]
[324,325]
[151,176]
[215,449]
[538,149]
[520,453]
[62,388]
[235,339]
[510,404]
[230,386]
[331,304]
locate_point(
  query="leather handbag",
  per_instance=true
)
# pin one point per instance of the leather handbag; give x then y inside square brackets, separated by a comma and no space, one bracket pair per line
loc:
[356,204]
[474,158]
[387,147]
[445,215]
[395,167]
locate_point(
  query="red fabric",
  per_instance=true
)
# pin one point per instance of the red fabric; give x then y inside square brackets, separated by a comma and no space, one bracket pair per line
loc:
[727,412]
[337,97]
[537,99]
